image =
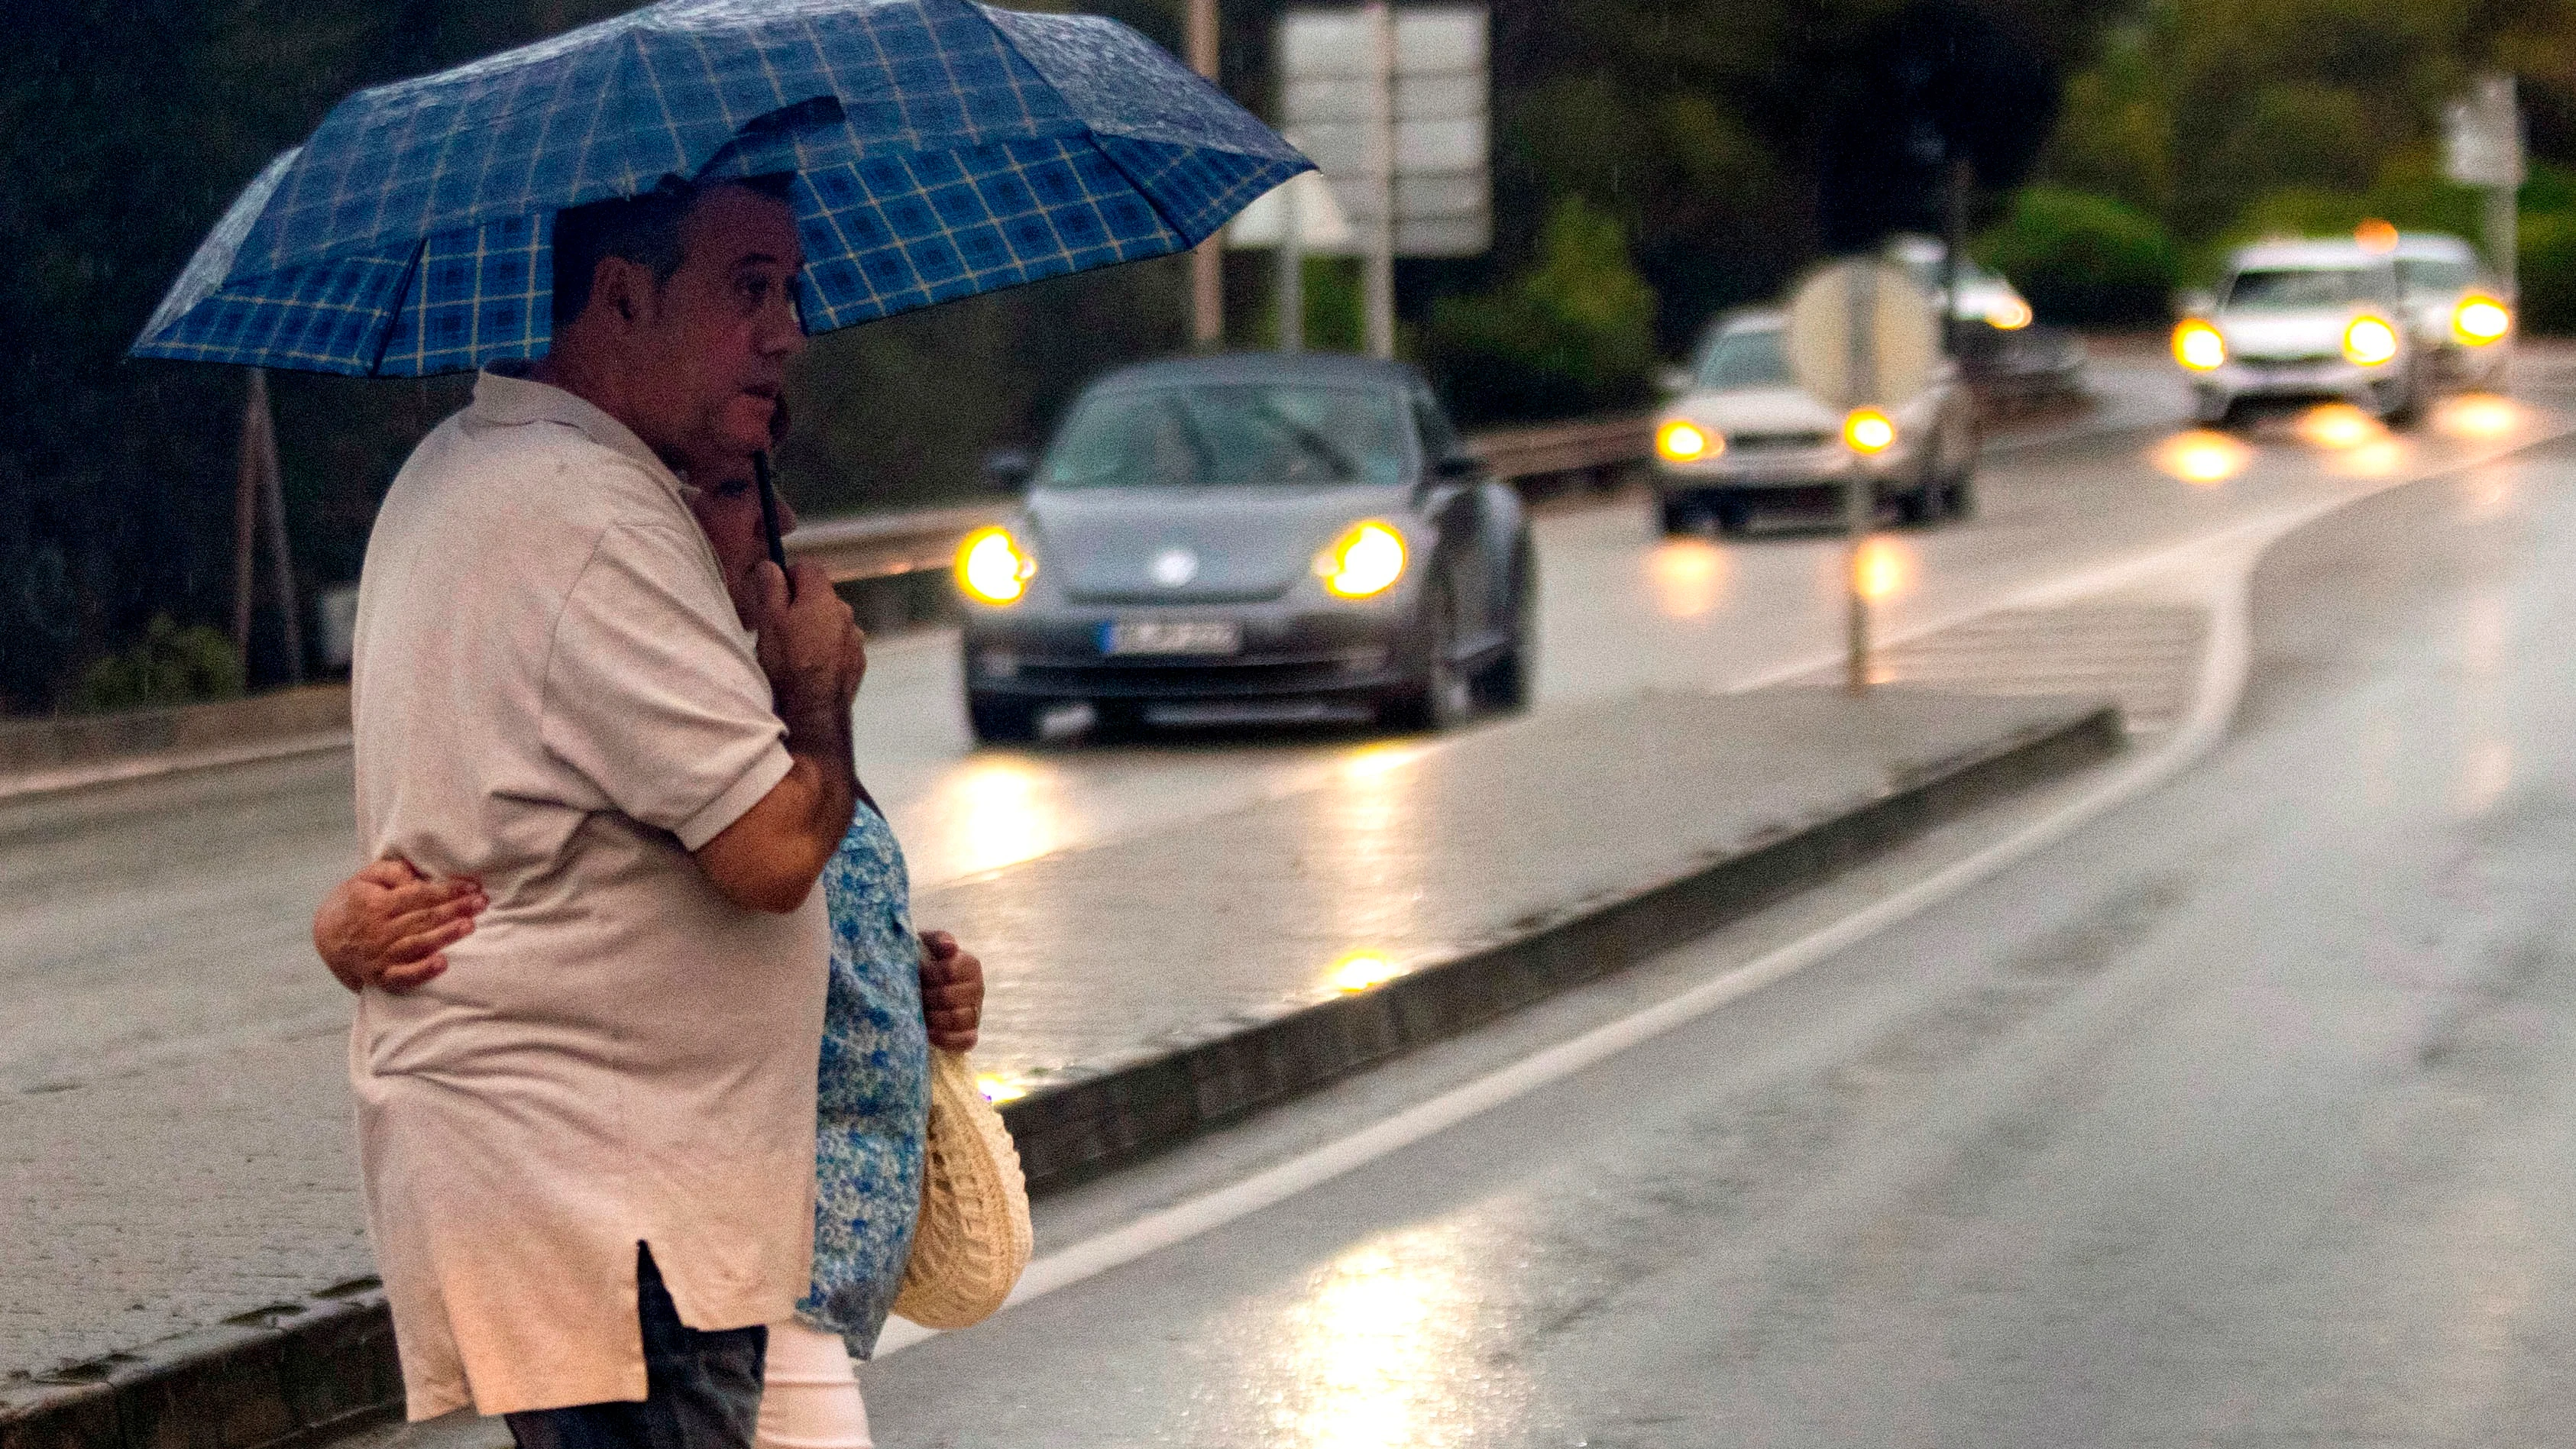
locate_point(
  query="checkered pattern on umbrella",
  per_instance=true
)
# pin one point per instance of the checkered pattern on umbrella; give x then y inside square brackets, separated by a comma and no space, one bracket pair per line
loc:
[941,149]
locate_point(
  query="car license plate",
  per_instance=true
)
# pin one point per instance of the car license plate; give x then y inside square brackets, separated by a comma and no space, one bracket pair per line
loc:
[1172,636]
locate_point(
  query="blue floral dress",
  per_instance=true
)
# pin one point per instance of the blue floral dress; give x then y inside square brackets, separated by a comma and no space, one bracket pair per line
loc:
[873,1091]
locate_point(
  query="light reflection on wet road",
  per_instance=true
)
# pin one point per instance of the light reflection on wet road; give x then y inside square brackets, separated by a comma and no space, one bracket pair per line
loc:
[2246,1115]
[1622,611]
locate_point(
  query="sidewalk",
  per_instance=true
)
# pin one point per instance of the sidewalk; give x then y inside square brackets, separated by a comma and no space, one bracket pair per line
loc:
[186,1244]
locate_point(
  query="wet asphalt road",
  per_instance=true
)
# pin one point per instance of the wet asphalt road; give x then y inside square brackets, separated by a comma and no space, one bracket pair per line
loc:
[166,1015]
[2247,1115]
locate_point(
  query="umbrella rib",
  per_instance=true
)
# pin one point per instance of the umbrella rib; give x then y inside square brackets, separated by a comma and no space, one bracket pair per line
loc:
[393,319]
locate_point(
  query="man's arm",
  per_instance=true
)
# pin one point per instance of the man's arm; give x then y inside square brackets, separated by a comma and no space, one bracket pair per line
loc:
[770,856]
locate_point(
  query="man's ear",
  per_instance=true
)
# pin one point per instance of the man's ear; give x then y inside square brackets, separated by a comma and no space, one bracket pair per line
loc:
[615,291]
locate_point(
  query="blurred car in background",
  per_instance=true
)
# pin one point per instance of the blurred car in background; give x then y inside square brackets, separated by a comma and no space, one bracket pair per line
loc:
[2459,315]
[2306,321]
[1255,536]
[2005,352]
[1743,437]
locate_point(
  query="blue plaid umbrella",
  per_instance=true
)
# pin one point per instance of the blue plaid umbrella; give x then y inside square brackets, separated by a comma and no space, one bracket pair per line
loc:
[940,148]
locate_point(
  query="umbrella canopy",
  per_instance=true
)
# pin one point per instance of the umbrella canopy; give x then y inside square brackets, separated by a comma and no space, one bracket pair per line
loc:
[940,149]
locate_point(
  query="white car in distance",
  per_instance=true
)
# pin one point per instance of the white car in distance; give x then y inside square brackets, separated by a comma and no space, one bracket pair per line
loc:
[2305,321]
[1743,436]
[2460,317]
[1982,296]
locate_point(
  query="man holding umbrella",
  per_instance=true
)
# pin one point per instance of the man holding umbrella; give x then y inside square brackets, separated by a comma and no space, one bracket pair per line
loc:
[589,1144]
[552,696]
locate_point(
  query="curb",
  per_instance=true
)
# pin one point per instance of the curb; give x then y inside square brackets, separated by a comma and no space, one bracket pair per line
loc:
[298,1374]
[1070,1131]
[286,1376]
[50,757]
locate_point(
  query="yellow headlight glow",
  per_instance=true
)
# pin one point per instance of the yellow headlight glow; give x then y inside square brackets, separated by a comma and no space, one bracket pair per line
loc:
[2478,321]
[2369,341]
[2009,315]
[1868,430]
[2198,346]
[1361,970]
[992,567]
[1362,563]
[1686,442]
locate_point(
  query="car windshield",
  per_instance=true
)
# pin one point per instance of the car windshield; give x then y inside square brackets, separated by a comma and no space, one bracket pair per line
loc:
[1229,435]
[2282,288]
[2432,275]
[1744,359]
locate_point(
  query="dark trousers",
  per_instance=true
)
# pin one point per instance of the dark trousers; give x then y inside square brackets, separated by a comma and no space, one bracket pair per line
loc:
[702,1390]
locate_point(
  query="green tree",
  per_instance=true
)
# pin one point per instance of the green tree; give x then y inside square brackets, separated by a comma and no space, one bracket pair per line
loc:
[2081,259]
[2220,117]
[1573,333]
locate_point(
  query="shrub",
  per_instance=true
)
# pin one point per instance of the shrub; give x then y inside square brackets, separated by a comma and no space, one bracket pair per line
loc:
[170,665]
[1574,333]
[2082,260]
[2545,268]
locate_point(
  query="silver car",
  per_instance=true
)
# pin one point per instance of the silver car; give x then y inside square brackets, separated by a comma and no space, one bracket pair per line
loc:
[1743,437]
[2459,315]
[2305,321]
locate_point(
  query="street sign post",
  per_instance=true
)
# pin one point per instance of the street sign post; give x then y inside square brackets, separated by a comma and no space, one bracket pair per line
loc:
[1298,218]
[1862,339]
[1207,259]
[2482,146]
[1391,104]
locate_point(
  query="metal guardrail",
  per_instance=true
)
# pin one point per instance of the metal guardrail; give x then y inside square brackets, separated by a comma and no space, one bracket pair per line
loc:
[890,545]
[898,546]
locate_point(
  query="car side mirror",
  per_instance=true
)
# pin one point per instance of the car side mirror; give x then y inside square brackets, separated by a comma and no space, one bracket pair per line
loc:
[2195,303]
[1674,380]
[1008,470]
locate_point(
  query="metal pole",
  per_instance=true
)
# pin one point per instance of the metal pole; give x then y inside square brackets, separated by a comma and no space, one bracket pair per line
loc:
[1859,502]
[1207,259]
[1379,285]
[281,560]
[246,511]
[2503,206]
[1954,241]
[1292,269]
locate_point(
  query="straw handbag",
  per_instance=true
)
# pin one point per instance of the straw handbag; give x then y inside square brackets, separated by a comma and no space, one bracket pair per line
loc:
[972,1238]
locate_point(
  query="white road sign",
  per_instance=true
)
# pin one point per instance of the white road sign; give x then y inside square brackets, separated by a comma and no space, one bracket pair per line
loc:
[2482,135]
[1442,127]
[1860,333]
[1321,227]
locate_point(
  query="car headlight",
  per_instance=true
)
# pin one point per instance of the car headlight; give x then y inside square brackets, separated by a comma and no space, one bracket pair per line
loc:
[1868,430]
[2198,346]
[2011,314]
[1684,441]
[2369,341]
[993,567]
[1365,561]
[2478,321]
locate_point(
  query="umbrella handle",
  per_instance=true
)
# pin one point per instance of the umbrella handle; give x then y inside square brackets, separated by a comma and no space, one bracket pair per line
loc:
[769,510]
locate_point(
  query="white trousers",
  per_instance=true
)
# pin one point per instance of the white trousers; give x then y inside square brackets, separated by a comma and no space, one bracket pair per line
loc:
[809,1398]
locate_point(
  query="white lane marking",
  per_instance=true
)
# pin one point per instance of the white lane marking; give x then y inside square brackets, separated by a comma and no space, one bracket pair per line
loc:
[2220,687]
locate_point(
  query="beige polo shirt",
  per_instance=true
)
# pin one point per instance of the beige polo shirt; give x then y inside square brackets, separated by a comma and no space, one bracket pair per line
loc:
[553,694]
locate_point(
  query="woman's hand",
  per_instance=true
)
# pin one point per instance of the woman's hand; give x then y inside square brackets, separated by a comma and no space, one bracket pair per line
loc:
[389,926]
[952,992]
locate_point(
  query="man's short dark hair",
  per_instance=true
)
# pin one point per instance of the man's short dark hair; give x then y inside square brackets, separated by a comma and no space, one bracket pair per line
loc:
[642,229]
